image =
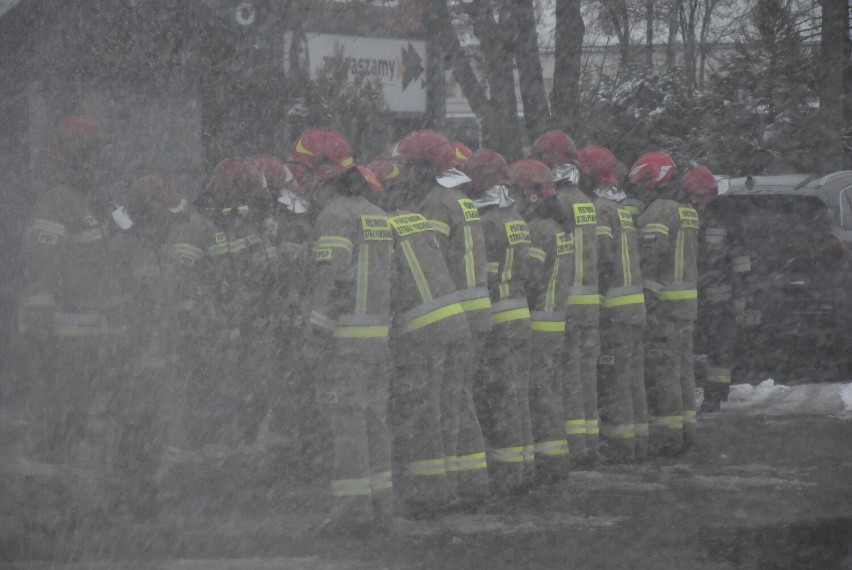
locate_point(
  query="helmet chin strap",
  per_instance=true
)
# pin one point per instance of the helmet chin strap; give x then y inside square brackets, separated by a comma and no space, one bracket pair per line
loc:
[495,196]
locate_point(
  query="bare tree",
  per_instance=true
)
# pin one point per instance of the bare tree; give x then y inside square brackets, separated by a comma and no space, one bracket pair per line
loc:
[564,99]
[530,76]
[835,18]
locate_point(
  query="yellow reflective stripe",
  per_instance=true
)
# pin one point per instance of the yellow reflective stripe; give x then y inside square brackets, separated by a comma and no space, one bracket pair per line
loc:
[550,295]
[548,326]
[637,299]
[689,417]
[493,267]
[575,427]
[29,468]
[593,427]
[584,299]
[641,430]
[218,249]
[469,267]
[678,261]
[538,254]
[335,241]
[188,250]
[552,448]
[186,305]
[679,295]
[603,231]
[741,264]
[622,431]
[656,229]
[88,236]
[61,329]
[39,300]
[381,481]
[416,271]
[476,304]
[426,467]
[351,487]
[431,317]
[54,228]
[510,315]
[670,422]
[362,279]
[627,272]
[440,226]
[508,266]
[470,462]
[361,331]
[507,454]
[653,286]
[529,453]
[237,245]
[321,321]
[719,375]
[579,254]
[230,334]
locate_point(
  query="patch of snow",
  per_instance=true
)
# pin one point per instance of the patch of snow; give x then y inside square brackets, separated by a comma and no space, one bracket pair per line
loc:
[478,524]
[775,399]
[734,483]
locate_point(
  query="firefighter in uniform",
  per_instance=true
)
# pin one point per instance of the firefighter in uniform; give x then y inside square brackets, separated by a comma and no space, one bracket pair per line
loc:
[505,366]
[558,152]
[723,262]
[347,338]
[62,318]
[144,335]
[428,320]
[621,383]
[430,169]
[669,230]
[291,402]
[550,272]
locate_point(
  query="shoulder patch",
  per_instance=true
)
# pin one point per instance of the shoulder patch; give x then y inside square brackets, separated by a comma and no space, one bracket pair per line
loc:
[517,232]
[376,228]
[688,218]
[584,214]
[626,219]
[564,243]
[220,237]
[408,224]
[471,214]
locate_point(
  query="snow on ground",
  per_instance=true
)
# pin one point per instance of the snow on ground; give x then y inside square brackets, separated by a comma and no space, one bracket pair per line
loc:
[770,398]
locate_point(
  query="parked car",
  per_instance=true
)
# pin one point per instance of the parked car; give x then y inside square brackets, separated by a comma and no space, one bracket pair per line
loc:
[797,323]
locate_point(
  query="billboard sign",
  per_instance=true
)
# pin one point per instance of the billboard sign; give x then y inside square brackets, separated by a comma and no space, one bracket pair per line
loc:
[399,65]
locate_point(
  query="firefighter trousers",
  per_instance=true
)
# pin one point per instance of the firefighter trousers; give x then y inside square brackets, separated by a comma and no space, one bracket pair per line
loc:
[616,402]
[421,484]
[583,362]
[670,386]
[547,411]
[503,404]
[353,391]
[716,336]
[572,397]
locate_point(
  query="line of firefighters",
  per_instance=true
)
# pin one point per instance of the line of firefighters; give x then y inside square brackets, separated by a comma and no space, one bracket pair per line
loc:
[465,327]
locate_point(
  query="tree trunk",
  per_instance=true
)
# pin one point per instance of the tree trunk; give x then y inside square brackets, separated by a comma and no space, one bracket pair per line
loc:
[531,79]
[670,42]
[835,14]
[649,34]
[565,98]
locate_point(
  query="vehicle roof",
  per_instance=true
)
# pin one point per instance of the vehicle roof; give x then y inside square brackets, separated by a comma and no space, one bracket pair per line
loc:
[825,188]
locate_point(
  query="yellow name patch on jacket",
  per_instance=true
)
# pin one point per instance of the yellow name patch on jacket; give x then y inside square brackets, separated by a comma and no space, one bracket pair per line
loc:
[376,228]
[471,214]
[408,224]
[564,243]
[626,219]
[517,232]
[584,214]
[688,218]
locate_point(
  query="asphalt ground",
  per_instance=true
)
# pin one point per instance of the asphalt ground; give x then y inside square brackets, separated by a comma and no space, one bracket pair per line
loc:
[754,492]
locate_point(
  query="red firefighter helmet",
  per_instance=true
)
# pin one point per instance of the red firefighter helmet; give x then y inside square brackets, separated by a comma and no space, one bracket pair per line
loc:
[533,177]
[278,176]
[386,171]
[486,169]
[554,148]
[700,182]
[301,178]
[237,181]
[371,179]
[600,161]
[153,198]
[77,140]
[326,152]
[429,148]
[653,169]
[461,151]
